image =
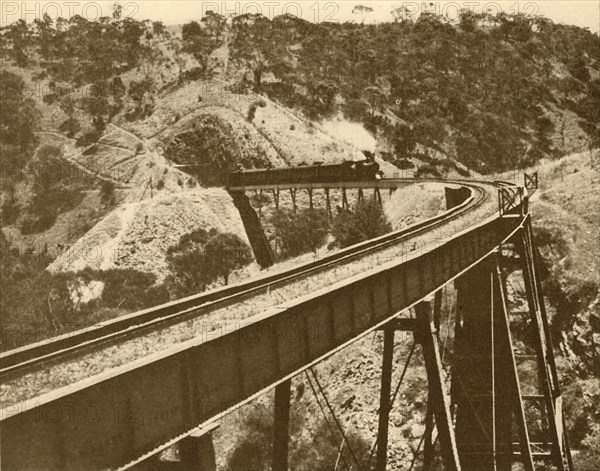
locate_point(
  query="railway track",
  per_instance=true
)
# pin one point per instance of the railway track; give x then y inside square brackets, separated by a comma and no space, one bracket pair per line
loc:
[42,355]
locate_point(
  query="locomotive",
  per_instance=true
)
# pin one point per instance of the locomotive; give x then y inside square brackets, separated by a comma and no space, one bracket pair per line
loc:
[351,171]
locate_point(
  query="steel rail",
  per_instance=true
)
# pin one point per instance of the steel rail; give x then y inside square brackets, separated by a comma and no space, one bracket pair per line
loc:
[18,362]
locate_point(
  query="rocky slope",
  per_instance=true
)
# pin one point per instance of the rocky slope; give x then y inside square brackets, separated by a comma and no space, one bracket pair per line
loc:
[137,235]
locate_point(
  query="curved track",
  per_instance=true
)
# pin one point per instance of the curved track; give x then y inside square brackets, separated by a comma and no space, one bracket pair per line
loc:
[173,384]
[42,355]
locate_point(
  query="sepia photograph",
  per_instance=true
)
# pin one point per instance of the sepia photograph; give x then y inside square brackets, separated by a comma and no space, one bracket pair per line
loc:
[300,235]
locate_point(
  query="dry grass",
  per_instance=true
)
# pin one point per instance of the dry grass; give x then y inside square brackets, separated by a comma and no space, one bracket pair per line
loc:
[568,204]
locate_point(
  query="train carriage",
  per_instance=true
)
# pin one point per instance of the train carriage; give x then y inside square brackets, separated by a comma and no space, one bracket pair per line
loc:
[345,172]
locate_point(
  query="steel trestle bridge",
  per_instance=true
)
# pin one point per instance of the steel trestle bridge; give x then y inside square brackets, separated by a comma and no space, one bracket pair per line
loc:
[476,411]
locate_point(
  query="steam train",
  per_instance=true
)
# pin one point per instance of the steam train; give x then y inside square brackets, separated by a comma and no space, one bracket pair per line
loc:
[352,171]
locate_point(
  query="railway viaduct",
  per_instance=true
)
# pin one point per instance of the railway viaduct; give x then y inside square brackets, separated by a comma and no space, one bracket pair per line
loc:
[476,412]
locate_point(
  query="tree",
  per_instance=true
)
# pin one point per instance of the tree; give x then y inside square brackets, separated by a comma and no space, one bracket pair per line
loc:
[578,67]
[96,103]
[107,193]
[544,128]
[129,38]
[117,11]
[177,47]
[18,35]
[374,97]
[215,24]
[404,141]
[430,131]
[140,93]
[323,94]
[402,14]
[225,253]
[46,35]
[68,105]
[261,46]
[468,20]
[34,303]
[18,114]
[300,233]
[201,257]
[186,262]
[159,30]
[362,10]
[151,60]
[130,289]
[367,221]
[51,192]
[199,43]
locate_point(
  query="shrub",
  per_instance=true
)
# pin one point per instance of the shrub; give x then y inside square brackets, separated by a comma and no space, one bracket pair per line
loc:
[251,112]
[366,222]
[427,170]
[589,458]
[10,212]
[551,237]
[403,164]
[89,137]
[70,127]
[587,461]
[317,452]
[33,223]
[253,449]
[253,107]
[225,253]
[297,234]
[463,172]
[53,192]
[34,303]
[107,193]
[201,257]
[131,289]
[195,73]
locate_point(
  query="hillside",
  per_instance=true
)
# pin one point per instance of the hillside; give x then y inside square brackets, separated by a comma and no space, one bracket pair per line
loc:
[493,92]
[97,114]
[566,224]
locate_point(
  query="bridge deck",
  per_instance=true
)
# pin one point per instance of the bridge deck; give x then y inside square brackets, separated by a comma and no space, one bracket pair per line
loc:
[383,184]
[157,399]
